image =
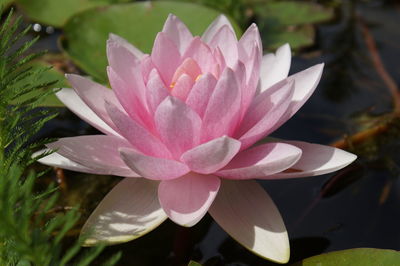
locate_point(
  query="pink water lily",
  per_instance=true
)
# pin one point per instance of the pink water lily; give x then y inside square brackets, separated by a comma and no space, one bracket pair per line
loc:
[181,125]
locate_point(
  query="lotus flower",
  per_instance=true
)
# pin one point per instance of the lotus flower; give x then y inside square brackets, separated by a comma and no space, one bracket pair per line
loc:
[181,125]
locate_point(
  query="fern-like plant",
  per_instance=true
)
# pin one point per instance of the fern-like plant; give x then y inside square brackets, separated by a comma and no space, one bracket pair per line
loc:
[29,235]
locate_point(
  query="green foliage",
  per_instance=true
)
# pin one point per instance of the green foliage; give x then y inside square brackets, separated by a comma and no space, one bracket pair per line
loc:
[56,12]
[31,231]
[354,257]
[137,22]
[289,21]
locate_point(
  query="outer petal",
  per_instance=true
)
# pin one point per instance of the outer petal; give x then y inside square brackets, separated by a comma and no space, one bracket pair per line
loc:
[223,109]
[97,152]
[261,161]
[275,67]
[165,57]
[187,199]
[178,125]
[305,83]
[56,160]
[280,101]
[177,31]
[316,160]
[122,42]
[214,27]
[128,68]
[211,156]
[141,139]
[200,93]
[246,212]
[70,98]
[129,211]
[153,167]
[94,95]
[251,36]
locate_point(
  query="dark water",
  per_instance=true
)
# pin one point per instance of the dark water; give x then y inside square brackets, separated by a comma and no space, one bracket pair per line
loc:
[356,207]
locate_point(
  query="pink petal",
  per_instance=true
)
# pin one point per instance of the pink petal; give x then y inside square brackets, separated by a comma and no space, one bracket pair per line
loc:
[131,102]
[261,161]
[271,116]
[246,212]
[225,40]
[146,66]
[129,211]
[127,66]
[156,91]
[182,87]
[70,98]
[200,93]
[264,103]
[153,167]
[275,67]
[305,83]
[223,109]
[56,160]
[130,47]
[186,200]
[251,36]
[316,160]
[177,31]
[138,136]
[202,54]
[94,95]
[178,125]
[165,57]
[97,152]
[252,78]
[214,27]
[211,156]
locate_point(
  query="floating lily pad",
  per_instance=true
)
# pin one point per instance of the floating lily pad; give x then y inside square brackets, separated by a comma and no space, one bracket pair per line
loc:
[354,257]
[47,76]
[56,12]
[290,22]
[86,33]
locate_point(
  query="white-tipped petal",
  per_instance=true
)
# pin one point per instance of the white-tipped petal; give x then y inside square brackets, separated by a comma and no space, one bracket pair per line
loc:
[246,212]
[129,211]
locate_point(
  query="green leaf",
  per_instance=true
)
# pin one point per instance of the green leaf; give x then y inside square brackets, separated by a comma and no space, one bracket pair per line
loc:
[354,257]
[47,76]
[56,12]
[193,263]
[86,33]
[300,36]
[290,22]
[294,13]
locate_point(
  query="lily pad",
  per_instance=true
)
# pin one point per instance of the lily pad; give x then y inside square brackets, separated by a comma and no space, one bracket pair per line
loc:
[290,22]
[47,76]
[56,12]
[354,257]
[86,33]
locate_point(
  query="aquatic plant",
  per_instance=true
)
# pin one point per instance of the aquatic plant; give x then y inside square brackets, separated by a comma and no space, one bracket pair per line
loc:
[182,125]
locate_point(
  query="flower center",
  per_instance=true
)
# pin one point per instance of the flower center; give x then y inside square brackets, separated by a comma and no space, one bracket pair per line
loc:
[188,67]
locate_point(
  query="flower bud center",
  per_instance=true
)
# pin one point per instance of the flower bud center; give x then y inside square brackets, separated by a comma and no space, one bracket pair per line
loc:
[188,67]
